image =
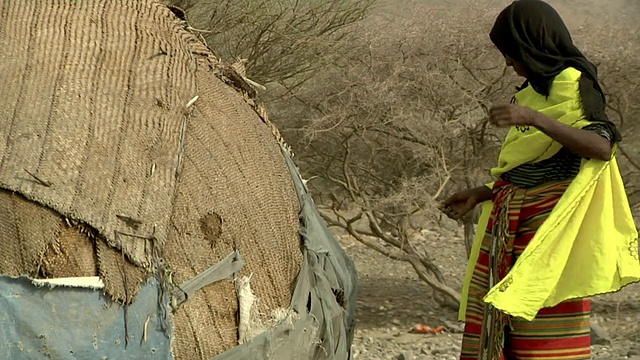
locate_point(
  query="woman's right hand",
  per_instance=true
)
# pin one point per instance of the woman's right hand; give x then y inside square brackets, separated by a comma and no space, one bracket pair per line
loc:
[461,203]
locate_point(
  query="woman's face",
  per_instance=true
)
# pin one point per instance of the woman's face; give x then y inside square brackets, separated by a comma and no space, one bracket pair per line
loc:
[517,66]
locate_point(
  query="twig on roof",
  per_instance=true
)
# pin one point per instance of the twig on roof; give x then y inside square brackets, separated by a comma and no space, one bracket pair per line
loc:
[42,182]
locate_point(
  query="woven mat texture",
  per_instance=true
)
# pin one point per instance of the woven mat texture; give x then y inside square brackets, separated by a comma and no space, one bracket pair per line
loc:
[94,127]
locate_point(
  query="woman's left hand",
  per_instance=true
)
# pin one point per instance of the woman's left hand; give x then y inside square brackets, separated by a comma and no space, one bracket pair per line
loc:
[511,115]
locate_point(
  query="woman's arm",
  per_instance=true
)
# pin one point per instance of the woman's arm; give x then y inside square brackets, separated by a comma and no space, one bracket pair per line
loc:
[461,203]
[585,143]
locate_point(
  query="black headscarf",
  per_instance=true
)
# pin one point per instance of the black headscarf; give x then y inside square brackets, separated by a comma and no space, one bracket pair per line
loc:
[533,33]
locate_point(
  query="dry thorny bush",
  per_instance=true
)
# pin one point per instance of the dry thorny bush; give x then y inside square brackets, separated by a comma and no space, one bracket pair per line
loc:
[401,121]
[387,112]
[620,76]
[282,41]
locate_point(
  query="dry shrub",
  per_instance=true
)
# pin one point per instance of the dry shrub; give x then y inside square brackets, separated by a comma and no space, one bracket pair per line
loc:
[277,40]
[403,116]
[398,120]
[408,102]
[616,50]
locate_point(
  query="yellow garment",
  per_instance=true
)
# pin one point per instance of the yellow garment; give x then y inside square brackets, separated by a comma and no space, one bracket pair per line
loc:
[589,243]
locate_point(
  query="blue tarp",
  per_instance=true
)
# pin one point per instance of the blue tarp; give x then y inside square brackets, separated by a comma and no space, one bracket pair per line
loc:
[77,323]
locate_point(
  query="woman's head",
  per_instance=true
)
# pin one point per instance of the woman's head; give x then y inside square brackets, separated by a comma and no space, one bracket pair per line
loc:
[536,42]
[517,66]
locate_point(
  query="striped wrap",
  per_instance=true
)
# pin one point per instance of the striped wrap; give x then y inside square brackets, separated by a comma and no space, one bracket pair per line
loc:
[560,332]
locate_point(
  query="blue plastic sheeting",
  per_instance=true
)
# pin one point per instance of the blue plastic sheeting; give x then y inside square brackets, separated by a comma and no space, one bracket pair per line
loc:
[77,323]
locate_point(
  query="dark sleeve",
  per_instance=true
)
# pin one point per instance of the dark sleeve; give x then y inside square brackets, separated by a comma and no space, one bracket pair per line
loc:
[595,110]
[605,129]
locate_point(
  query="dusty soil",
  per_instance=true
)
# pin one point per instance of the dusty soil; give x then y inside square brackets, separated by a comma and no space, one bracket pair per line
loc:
[392,299]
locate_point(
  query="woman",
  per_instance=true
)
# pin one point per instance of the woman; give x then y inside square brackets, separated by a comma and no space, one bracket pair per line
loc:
[556,225]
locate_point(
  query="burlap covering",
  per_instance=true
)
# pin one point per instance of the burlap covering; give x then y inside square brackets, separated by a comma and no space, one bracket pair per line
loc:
[95,124]
[93,105]
[72,254]
[38,242]
[233,168]
[26,231]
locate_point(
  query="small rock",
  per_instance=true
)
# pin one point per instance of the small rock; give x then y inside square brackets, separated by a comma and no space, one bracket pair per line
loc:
[599,335]
[359,349]
[454,327]
[635,351]
[407,355]
[395,322]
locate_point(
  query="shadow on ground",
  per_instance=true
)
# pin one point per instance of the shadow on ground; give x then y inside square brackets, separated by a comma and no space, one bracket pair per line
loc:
[401,301]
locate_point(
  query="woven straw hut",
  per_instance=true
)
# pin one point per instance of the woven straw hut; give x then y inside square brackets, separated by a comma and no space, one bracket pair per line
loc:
[143,185]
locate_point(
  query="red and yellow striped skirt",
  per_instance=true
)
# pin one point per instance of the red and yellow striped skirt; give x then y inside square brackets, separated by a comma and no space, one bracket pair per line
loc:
[560,332]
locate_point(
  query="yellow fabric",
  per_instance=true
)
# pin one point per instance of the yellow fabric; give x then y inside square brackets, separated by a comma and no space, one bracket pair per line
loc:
[589,243]
[563,104]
